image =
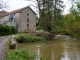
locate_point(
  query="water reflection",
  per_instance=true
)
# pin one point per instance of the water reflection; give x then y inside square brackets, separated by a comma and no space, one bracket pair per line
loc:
[63,48]
[38,53]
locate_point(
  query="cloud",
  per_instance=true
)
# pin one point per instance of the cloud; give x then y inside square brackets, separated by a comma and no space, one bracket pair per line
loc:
[68,6]
[16,4]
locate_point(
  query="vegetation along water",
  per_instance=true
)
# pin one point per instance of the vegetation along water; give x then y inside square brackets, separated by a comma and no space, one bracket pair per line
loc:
[53,21]
[62,48]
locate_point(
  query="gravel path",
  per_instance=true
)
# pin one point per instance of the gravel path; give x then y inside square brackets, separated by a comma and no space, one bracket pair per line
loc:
[3,41]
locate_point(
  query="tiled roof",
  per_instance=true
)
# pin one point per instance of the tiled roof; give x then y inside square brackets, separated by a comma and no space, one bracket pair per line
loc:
[5,13]
[20,10]
[17,11]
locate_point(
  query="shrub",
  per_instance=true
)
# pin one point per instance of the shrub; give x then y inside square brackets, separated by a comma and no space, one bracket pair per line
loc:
[21,54]
[39,28]
[61,31]
[6,30]
[44,34]
[75,32]
[26,38]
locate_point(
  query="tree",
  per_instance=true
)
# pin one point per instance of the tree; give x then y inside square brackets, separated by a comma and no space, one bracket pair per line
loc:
[3,4]
[72,20]
[49,12]
[58,17]
[45,13]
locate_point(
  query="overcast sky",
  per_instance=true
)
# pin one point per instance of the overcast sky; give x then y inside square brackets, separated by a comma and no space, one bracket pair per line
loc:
[16,4]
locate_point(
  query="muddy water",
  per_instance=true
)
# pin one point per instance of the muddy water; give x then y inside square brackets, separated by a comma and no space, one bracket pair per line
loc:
[62,48]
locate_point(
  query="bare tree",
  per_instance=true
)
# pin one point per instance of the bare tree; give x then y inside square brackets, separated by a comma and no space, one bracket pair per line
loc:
[3,4]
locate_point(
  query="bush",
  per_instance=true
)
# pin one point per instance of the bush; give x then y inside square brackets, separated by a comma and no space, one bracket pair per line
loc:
[21,54]
[75,32]
[61,31]
[39,28]
[44,34]
[27,39]
[6,30]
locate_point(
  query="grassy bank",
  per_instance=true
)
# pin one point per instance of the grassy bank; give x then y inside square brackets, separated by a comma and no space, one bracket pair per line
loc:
[21,54]
[26,38]
[18,54]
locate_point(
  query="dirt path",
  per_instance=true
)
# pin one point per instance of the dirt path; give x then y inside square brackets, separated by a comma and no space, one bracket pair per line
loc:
[2,45]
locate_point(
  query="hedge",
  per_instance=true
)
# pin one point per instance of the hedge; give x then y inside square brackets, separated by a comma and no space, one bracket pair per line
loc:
[6,30]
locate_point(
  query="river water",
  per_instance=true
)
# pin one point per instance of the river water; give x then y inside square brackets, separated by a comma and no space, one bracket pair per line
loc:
[62,48]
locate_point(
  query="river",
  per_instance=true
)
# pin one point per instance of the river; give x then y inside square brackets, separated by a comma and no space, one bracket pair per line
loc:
[61,48]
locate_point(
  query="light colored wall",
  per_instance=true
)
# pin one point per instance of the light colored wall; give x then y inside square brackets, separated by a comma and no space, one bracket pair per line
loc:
[12,23]
[1,19]
[23,20]
[4,19]
[16,19]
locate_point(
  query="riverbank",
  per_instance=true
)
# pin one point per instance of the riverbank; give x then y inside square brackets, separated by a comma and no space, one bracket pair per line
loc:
[61,48]
[33,37]
[19,54]
[25,38]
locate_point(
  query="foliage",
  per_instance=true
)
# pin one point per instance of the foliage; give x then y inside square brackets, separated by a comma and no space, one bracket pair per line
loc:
[59,26]
[44,34]
[21,54]
[61,31]
[46,16]
[72,21]
[39,28]
[6,30]
[50,14]
[27,39]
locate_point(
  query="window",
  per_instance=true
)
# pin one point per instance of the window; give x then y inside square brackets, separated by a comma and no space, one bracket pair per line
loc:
[27,19]
[27,14]
[11,16]
[27,25]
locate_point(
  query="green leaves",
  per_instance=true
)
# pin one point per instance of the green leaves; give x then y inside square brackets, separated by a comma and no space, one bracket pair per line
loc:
[27,39]
[72,22]
[21,54]
[6,30]
[78,5]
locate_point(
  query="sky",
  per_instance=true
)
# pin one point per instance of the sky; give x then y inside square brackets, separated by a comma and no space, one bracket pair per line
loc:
[68,5]
[13,5]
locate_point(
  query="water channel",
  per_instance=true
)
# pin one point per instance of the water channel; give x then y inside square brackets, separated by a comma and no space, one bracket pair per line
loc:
[62,48]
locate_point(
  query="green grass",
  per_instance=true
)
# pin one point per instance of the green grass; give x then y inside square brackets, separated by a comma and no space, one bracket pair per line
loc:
[21,54]
[27,38]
